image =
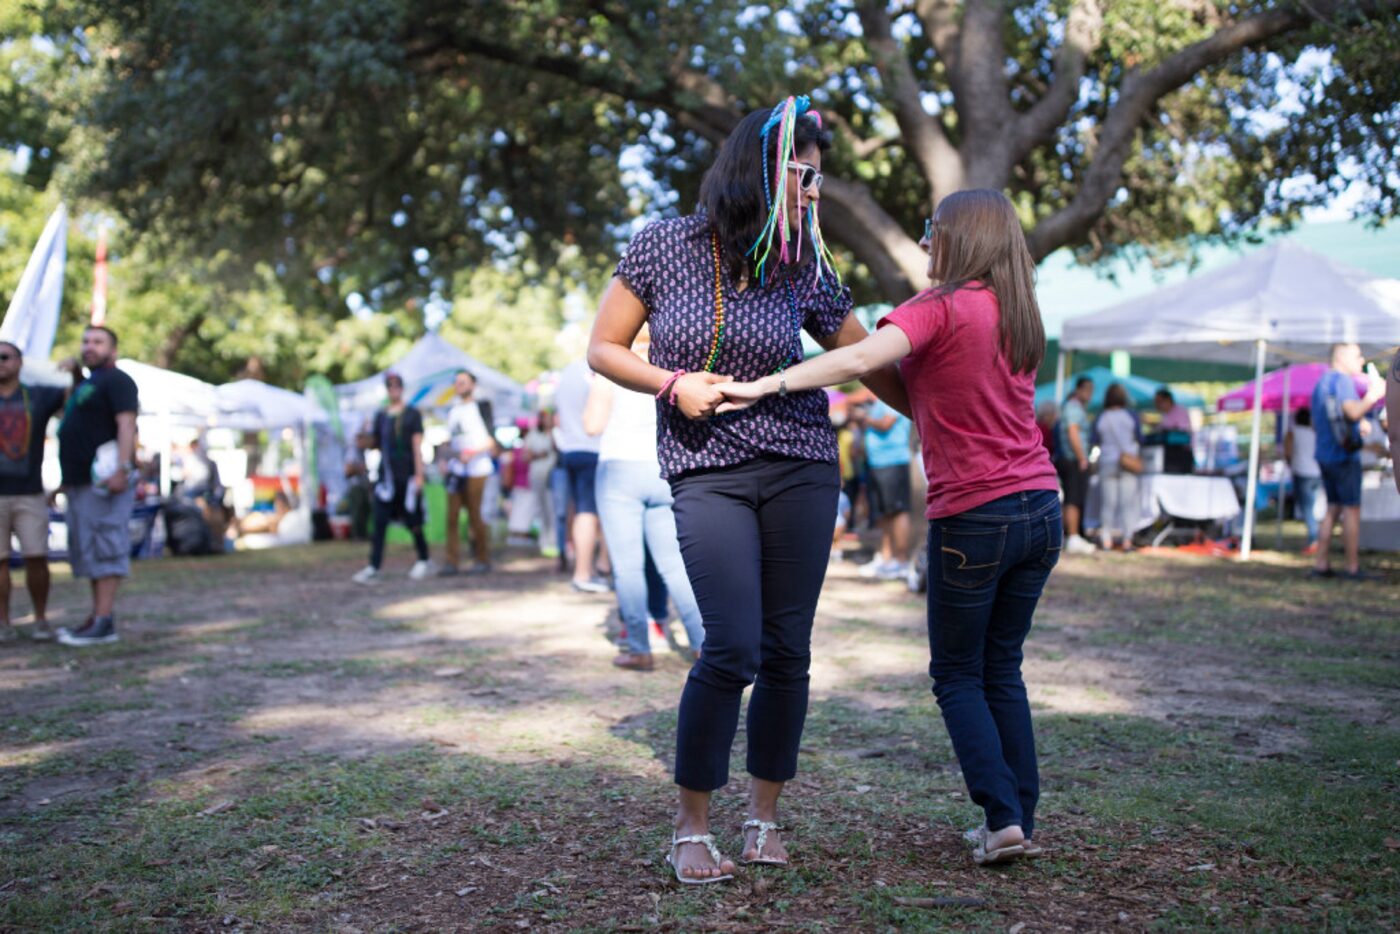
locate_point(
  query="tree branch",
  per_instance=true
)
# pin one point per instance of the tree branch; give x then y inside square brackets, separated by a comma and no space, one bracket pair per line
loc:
[1142,90]
[1082,30]
[862,226]
[924,138]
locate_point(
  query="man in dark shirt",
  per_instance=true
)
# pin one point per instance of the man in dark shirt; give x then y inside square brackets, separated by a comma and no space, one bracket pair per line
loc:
[398,490]
[96,452]
[24,511]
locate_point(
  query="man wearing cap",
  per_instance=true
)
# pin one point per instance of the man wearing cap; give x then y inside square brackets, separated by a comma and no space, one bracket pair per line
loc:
[397,432]
[24,512]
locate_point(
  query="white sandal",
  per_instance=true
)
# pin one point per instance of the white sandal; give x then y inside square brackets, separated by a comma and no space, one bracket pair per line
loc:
[764,826]
[985,857]
[708,842]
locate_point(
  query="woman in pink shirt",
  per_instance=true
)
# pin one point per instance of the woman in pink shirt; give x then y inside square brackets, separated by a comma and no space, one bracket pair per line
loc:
[968,350]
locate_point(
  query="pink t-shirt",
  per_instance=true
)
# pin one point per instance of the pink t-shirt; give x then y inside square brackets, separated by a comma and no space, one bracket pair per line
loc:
[976,419]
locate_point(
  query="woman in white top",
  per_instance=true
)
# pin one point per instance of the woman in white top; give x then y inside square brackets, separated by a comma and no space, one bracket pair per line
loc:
[539,449]
[1300,447]
[634,505]
[1118,488]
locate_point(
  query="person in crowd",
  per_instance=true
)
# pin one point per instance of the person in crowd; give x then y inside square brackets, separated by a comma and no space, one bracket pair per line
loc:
[1176,431]
[1047,414]
[397,431]
[25,411]
[1118,485]
[199,475]
[358,501]
[1072,444]
[1339,419]
[539,450]
[1392,414]
[1300,450]
[578,456]
[727,291]
[515,475]
[969,349]
[472,451]
[887,457]
[96,457]
[634,504]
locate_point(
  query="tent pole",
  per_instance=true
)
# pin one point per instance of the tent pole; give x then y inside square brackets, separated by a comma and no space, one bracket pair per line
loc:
[1060,377]
[1285,415]
[1252,487]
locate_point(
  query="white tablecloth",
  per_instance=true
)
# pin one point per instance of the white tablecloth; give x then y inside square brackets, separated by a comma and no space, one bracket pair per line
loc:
[1181,496]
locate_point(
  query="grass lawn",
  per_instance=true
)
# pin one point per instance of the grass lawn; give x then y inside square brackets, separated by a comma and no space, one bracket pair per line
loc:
[270,747]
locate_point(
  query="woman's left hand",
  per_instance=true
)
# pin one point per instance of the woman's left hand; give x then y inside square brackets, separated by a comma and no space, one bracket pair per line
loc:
[739,396]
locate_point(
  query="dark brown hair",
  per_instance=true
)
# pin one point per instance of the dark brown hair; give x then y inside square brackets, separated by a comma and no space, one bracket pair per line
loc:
[977,238]
[1115,397]
[732,194]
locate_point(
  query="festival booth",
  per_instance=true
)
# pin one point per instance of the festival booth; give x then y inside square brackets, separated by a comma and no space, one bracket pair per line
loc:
[1141,390]
[1280,304]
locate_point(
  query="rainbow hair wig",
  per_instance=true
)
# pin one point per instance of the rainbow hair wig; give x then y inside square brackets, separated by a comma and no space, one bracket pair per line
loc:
[776,230]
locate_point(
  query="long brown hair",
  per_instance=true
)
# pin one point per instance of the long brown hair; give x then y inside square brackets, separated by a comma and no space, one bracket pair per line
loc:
[977,237]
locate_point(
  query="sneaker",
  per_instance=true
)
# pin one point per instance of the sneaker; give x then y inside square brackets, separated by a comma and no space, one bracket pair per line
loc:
[657,628]
[592,585]
[366,575]
[478,567]
[871,568]
[8,633]
[448,570]
[892,571]
[1310,550]
[421,570]
[102,631]
[634,661]
[1079,545]
[41,631]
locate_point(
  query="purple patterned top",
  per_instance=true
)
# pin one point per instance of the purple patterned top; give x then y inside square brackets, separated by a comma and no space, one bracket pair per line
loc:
[669,265]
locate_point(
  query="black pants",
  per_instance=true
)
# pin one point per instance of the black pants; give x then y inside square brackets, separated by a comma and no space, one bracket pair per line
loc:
[756,539]
[394,511]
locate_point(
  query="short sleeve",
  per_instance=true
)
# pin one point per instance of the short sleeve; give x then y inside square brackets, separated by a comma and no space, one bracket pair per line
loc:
[826,308]
[49,401]
[922,319]
[412,422]
[639,263]
[122,392]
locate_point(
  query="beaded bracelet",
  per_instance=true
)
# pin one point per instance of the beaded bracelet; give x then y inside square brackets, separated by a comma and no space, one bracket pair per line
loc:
[668,384]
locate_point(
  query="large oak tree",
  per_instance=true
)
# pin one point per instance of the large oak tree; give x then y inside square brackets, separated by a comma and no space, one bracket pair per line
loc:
[381,145]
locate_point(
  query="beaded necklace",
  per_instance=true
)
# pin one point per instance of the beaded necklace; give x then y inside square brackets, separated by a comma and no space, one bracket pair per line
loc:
[717,335]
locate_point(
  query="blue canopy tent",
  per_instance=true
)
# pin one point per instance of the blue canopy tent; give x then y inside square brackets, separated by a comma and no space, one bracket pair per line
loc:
[1140,389]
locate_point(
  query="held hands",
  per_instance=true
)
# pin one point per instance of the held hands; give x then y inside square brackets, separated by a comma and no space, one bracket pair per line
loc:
[739,396]
[696,394]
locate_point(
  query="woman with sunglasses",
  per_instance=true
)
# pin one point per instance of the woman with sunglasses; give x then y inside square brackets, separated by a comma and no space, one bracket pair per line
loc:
[727,292]
[968,350]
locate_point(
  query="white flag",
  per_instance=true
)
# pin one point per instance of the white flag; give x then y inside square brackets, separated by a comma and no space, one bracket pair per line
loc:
[32,320]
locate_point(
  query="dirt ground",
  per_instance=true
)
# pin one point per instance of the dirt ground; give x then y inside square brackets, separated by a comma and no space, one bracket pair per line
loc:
[458,754]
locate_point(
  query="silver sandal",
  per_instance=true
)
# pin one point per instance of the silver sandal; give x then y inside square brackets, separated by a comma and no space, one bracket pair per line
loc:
[764,826]
[708,842]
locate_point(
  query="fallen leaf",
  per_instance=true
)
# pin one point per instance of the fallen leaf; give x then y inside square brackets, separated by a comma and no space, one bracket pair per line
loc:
[1016,928]
[449,672]
[465,891]
[1392,843]
[368,823]
[217,808]
[1203,867]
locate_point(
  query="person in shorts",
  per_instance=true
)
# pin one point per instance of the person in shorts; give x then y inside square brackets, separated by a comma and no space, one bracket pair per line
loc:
[24,511]
[1339,419]
[97,456]
[1072,464]
[887,457]
[578,456]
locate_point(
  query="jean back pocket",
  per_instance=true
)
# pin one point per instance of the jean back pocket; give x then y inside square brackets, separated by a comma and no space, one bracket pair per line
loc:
[971,557]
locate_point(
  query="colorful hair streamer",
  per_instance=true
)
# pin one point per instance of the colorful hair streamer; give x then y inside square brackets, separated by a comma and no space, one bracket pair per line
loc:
[784,118]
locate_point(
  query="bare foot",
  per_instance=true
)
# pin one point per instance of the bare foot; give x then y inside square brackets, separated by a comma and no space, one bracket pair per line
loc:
[693,860]
[773,848]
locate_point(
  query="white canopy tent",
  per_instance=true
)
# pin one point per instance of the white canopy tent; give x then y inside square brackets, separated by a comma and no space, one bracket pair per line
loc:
[1281,304]
[254,405]
[428,370]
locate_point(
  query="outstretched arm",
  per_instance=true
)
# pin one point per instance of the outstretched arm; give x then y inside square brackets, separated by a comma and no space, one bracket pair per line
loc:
[885,381]
[882,349]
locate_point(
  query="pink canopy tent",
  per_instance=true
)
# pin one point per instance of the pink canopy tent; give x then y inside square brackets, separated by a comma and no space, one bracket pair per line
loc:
[1299,380]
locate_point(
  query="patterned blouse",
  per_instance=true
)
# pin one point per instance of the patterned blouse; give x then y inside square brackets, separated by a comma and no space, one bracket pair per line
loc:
[670,267]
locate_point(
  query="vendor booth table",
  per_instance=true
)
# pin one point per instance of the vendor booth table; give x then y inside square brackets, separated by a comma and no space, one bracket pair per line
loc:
[1380,512]
[1173,498]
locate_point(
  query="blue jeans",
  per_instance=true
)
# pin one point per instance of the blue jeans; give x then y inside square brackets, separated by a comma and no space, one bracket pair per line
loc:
[559,497]
[634,504]
[987,568]
[1305,495]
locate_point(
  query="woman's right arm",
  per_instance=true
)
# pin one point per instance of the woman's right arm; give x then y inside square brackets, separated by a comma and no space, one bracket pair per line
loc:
[620,316]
